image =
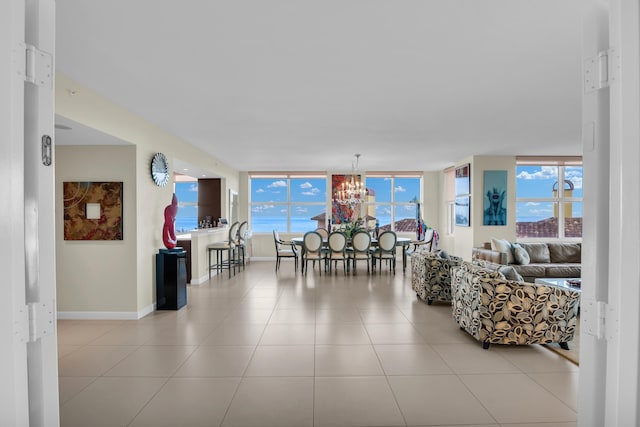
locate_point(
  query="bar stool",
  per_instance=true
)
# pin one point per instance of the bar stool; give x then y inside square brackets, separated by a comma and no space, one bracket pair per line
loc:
[230,247]
[241,241]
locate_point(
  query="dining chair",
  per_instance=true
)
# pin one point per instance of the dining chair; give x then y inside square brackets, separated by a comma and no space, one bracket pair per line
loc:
[337,243]
[323,232]
[313,250]
[360,248]
[426,244]
[386,250]
[285,250]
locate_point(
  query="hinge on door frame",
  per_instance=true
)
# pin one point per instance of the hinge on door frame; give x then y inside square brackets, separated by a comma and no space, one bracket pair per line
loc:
[35,66]
[599,319]
[34,321]
[601,70]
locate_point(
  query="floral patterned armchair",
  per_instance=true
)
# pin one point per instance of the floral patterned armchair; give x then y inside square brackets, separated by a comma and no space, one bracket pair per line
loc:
[431,275]
[499,311]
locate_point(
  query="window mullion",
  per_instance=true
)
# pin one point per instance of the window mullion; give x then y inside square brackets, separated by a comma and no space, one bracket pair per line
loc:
[393,203]
[289,203]
[561,202]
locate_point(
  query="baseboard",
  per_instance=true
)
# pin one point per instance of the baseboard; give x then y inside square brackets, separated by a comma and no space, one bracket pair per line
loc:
[201,280]
[146,310]
[106,315]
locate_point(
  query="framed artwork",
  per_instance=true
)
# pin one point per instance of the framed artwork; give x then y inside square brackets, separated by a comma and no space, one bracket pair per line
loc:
[463,180]
[495,198]
[463,211]
[340,213]
[463,195]
[92,210]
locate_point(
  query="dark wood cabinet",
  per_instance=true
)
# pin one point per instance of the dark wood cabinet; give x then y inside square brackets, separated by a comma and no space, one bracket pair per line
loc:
[171,279]
[209,199]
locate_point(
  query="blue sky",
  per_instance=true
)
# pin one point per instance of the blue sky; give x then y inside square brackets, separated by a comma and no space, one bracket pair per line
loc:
[538,182]
[531,182]
[266,191]
[187,194]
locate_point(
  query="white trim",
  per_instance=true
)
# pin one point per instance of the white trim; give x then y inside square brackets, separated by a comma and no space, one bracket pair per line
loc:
[146,310]
[202,279]
[106,315]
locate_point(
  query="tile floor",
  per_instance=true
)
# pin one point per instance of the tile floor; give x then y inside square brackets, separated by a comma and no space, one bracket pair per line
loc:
[266,349]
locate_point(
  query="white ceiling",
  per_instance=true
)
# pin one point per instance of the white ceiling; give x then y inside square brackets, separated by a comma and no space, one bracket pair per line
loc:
[70,132]
[304,85]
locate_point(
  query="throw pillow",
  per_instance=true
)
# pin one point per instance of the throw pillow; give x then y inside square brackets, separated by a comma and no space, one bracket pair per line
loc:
[520,254]
[502,245]
[538,252]
[510,273]
[444,255]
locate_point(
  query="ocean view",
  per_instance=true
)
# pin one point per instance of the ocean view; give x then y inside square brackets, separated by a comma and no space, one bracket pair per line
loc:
[267,224]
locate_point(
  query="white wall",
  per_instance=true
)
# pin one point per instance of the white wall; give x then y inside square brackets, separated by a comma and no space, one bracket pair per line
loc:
[484,233]
[466,238]
[432,196]
[463,236]
[90,109]
[97,276]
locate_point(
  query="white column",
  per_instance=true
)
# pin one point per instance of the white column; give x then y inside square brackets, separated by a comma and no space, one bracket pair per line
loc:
[623,317]
[39,216]
[14,410]
[595,232]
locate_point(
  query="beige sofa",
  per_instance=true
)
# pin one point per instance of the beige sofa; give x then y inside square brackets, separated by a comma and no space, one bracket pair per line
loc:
[546,260]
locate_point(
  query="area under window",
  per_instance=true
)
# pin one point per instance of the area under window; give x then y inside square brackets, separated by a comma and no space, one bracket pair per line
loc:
[549,199]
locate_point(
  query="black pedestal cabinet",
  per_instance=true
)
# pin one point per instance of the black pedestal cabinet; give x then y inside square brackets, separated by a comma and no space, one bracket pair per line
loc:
[171,279]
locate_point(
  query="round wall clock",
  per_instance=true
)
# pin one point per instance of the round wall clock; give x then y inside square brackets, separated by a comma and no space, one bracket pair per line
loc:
[160,169]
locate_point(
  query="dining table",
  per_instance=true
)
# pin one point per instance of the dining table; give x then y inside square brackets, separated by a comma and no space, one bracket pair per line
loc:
[401,242]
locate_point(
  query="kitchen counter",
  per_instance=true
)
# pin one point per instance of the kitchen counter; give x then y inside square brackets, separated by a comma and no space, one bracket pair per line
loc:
[200,239]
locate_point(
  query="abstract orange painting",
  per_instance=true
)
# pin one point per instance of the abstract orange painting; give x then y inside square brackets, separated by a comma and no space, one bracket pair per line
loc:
[92,210]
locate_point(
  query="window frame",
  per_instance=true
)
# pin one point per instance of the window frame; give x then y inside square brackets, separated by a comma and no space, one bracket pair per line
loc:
[328,196]
[287,176]
[561,163]
[392,203]
[450,200]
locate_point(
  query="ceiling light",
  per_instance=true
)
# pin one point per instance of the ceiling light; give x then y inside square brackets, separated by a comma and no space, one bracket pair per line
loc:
[352,192]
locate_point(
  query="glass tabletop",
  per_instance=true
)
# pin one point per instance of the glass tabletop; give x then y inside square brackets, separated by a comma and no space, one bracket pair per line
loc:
[572,283]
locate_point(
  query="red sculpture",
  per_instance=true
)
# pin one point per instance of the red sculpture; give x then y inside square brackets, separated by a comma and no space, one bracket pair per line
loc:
[169,228]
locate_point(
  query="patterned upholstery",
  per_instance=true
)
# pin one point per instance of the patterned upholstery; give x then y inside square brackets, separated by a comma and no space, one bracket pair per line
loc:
[431,275]
[499,311]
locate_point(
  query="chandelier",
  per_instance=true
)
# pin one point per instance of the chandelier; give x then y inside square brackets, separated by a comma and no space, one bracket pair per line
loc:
[352,192]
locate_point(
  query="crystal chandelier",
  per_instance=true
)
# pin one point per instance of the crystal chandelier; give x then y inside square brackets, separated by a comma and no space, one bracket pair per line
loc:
[351,192]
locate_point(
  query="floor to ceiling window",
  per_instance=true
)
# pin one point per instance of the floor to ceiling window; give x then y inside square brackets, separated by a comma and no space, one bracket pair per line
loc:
[549,198]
